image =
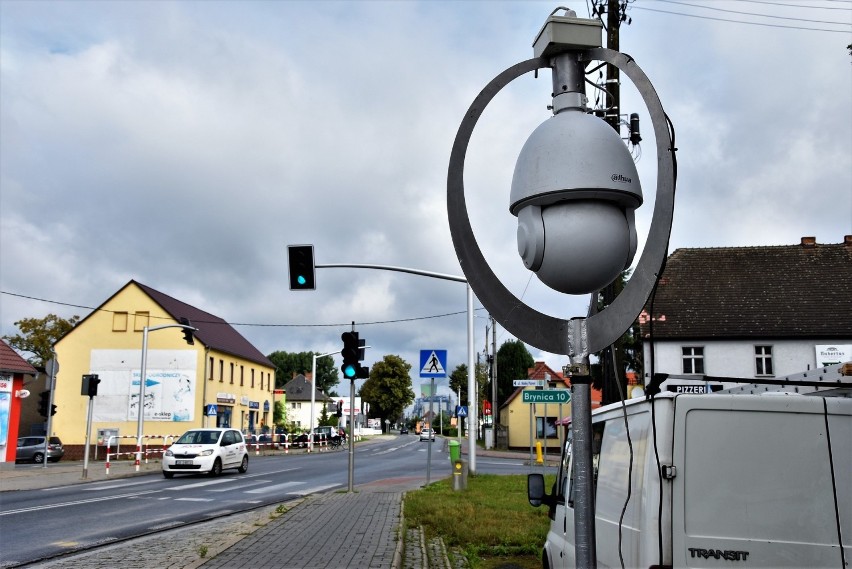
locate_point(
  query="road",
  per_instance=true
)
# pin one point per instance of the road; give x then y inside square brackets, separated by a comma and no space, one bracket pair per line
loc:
[41,524]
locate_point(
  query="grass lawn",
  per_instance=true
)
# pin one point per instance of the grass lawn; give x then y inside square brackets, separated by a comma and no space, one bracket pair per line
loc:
[491,523]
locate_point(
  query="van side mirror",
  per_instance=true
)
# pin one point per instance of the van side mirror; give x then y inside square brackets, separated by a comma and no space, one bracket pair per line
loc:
[535,490]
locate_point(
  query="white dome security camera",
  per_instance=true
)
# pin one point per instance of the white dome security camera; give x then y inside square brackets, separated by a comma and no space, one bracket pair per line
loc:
[574,191]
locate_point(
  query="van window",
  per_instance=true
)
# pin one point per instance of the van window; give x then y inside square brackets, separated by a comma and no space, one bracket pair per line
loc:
[614,467]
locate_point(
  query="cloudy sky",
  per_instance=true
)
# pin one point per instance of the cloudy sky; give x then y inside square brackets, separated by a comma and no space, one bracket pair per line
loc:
[185,144]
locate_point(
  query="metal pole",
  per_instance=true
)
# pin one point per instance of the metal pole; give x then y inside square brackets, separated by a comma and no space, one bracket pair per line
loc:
[140,405]
[53,364]
[431,429]
[313,400]
[352,435]
[88,438]
[473,426]
[581,425]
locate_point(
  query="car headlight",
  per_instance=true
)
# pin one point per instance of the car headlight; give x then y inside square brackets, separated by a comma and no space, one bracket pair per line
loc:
[169,453]
[207,452]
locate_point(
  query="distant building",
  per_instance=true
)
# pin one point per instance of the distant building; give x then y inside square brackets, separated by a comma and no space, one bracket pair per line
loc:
[221,380]
[298,402]
[16,376]
[528,423]
[750,312]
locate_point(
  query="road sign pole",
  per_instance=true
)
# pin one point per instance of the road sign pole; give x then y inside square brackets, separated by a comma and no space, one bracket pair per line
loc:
[431,430]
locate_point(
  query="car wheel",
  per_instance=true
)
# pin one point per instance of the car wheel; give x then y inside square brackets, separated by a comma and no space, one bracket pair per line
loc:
[217,468]
[243,466]
[38,458]
[168,475]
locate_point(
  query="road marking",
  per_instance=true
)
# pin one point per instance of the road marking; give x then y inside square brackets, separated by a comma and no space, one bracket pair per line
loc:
[193,499]
[77,502]
[241,486]
[201,484]
[274,487]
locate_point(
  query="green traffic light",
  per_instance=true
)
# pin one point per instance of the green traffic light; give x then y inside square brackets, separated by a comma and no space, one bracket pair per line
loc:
[302,280]
[349,371]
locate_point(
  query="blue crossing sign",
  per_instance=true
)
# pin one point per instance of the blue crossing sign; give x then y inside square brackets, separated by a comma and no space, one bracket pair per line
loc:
[433,363]
[461,410]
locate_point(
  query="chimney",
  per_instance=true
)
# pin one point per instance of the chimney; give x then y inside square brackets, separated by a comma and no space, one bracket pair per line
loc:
[847,240]
[808,242]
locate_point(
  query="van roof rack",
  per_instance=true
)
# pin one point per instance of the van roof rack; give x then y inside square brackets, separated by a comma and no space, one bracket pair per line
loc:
[834,381]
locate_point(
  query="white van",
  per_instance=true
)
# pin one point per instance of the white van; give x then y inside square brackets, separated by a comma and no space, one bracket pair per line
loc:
[717,480]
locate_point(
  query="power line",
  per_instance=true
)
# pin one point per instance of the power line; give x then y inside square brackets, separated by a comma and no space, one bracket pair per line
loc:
[737,21]
[716,9]
[808,6]
[251,324]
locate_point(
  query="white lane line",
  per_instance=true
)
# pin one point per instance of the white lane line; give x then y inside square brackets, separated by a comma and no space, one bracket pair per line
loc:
[202,484]
[316,489]
[77,502]
[274,487]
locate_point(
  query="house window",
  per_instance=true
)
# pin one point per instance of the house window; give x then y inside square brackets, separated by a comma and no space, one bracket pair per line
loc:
[242,376]
[693,359]
[211,369]
[763,360]
[252,379]
[232,373]
[262,375]
[221,371]
[141,321]
[545,427]
[119,322]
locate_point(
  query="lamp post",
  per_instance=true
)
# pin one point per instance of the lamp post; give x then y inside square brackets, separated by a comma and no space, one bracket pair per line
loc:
[574,189]
[314,396]
[188,330]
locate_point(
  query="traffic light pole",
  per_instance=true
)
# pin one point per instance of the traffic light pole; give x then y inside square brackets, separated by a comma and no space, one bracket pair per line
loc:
[473,427]
[144,371]
[53,367]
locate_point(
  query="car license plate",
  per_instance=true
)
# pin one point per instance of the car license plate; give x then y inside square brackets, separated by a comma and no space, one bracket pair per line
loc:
[183,462]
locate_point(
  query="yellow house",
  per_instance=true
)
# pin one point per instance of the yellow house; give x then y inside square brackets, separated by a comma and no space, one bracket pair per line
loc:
[220,380]
[529,423]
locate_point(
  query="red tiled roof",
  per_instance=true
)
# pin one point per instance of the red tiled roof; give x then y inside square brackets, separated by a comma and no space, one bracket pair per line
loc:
[11,362]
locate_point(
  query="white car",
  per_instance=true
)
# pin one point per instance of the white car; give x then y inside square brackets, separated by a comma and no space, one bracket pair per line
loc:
[206,450]
[427,434]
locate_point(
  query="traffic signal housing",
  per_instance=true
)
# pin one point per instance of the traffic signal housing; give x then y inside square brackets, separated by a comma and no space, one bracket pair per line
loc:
[187,332]
[90,385]
[43,403]
[301,268]
[350,352]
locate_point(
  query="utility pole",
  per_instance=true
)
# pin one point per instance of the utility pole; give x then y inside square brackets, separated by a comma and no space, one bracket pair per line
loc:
[612,367]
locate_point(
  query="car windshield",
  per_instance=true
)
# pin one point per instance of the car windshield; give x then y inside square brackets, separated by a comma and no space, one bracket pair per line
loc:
[199,438]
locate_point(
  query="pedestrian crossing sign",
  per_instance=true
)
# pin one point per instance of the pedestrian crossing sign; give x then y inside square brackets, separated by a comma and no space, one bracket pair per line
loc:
[433,363]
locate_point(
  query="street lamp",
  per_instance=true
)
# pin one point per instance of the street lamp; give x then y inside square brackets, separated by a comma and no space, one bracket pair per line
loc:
[574,192]
[188,330]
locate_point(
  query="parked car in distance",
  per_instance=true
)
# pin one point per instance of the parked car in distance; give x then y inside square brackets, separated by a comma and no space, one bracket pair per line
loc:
[206,450]
[403,430]
[32,448]
[427,434]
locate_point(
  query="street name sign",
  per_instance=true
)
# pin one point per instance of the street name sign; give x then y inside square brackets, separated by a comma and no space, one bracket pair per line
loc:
[528,383]
[547,396]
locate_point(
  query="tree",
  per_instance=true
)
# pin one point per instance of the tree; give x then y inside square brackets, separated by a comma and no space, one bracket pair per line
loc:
[38,335]
[388,390]
[627,349]
[286,364]
[279,414]
[513,362]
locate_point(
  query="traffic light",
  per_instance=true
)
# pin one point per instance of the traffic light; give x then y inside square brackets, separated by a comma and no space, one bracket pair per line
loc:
[90,385]
[300,262]
[187,332]
[52,410]
[350,352]
[43,403]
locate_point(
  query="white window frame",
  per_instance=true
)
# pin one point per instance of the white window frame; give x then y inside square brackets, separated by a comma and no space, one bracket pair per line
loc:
[695,356]
[762,359]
